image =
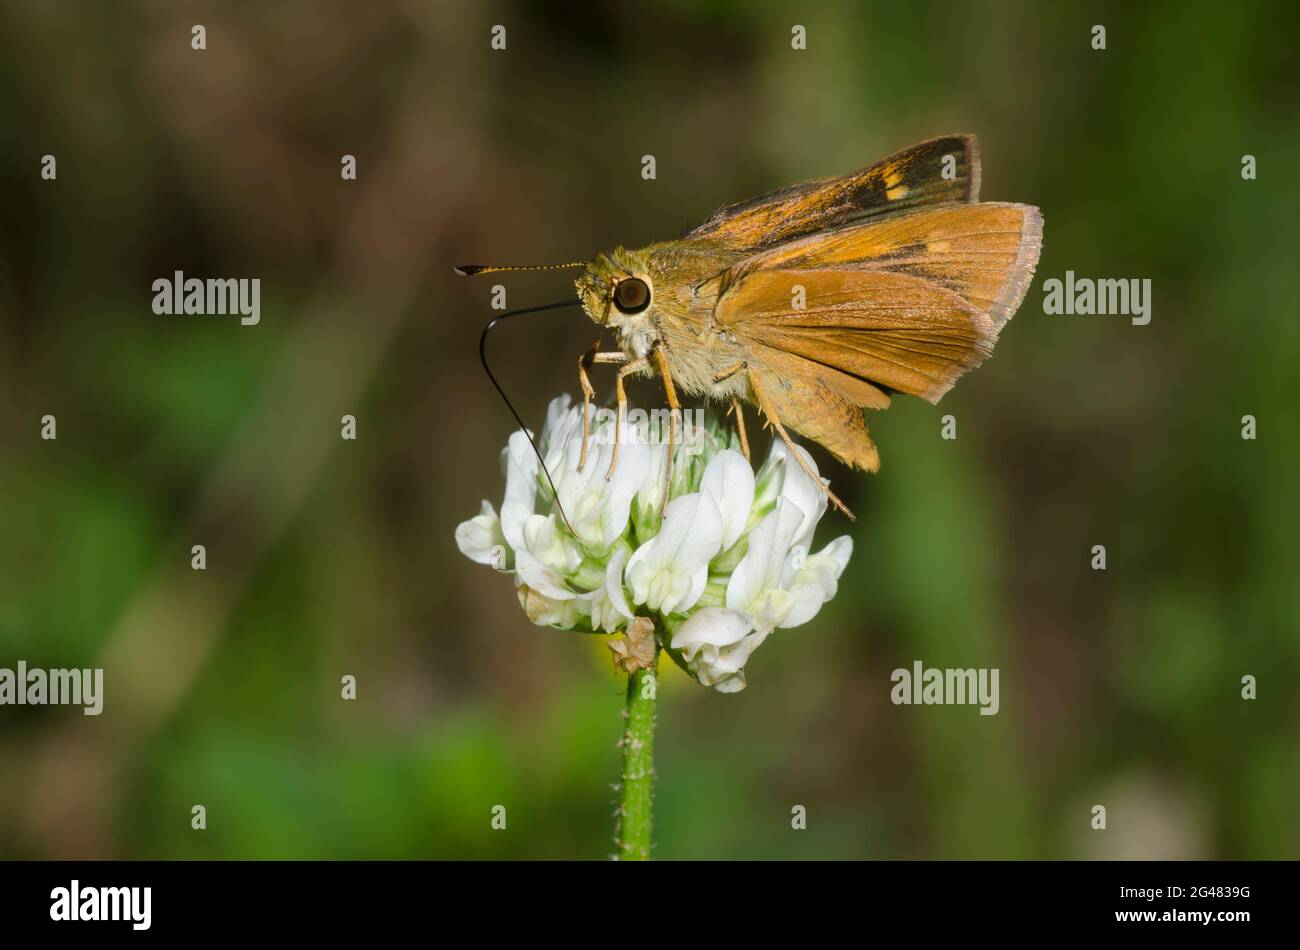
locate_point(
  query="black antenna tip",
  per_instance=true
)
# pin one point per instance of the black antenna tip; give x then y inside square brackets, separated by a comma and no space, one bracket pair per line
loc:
[469,270]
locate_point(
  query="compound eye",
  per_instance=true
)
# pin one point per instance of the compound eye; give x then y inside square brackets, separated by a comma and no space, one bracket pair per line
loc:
[632,295]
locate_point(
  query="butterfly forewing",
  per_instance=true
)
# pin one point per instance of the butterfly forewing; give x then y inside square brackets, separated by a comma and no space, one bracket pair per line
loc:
[944,169]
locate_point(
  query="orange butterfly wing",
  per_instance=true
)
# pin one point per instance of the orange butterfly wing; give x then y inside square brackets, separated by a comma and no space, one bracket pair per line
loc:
[941,170]
[906,303]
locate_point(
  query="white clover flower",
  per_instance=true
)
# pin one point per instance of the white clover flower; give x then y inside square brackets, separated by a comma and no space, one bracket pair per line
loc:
[723,565]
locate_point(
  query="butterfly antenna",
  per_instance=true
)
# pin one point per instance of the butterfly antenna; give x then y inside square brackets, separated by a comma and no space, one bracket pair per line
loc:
[469,270]
[482,355]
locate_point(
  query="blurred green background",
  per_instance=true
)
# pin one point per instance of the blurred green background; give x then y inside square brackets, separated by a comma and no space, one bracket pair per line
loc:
[328,557]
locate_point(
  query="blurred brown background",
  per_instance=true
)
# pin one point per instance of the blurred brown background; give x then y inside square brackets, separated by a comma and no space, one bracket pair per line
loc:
[328,557]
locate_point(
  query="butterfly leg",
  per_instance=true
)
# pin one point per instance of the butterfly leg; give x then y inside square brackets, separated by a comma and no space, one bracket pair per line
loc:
[730,371]
[674,411]
[726,374]
[740,428]
[584,361]
[620,393]
[765,406]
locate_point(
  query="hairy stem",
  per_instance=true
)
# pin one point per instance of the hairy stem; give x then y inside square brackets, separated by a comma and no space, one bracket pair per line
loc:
[637,789]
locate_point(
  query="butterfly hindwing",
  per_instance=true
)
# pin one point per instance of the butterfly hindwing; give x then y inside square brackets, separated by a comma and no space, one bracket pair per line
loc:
[901,304]
[820,403]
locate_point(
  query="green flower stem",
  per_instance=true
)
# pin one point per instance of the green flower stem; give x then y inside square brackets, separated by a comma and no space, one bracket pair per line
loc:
[637,789]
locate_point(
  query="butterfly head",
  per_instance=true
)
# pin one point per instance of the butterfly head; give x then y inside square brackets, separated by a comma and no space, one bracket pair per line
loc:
[617,291]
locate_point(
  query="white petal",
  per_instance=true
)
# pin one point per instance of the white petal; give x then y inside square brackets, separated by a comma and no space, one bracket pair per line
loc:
[826,566]
[650,494]
[735,657]
[729,481]
[614,583]
[598,508]
[817,580]
[771,608]
[839,550]
[669,573]
[732,684]
[547,612]
[702,525]
[571,482]
[709,626]
[559,416]
[748,578]
[480,538]
[561,446]
[541,577]
[521,487]
[716,644]
[804,492]
[604,613]
[761,569]
[546,542]
[700,543]
[676,527]
[768,480]
[638,573]
[629,474]
[805,601]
